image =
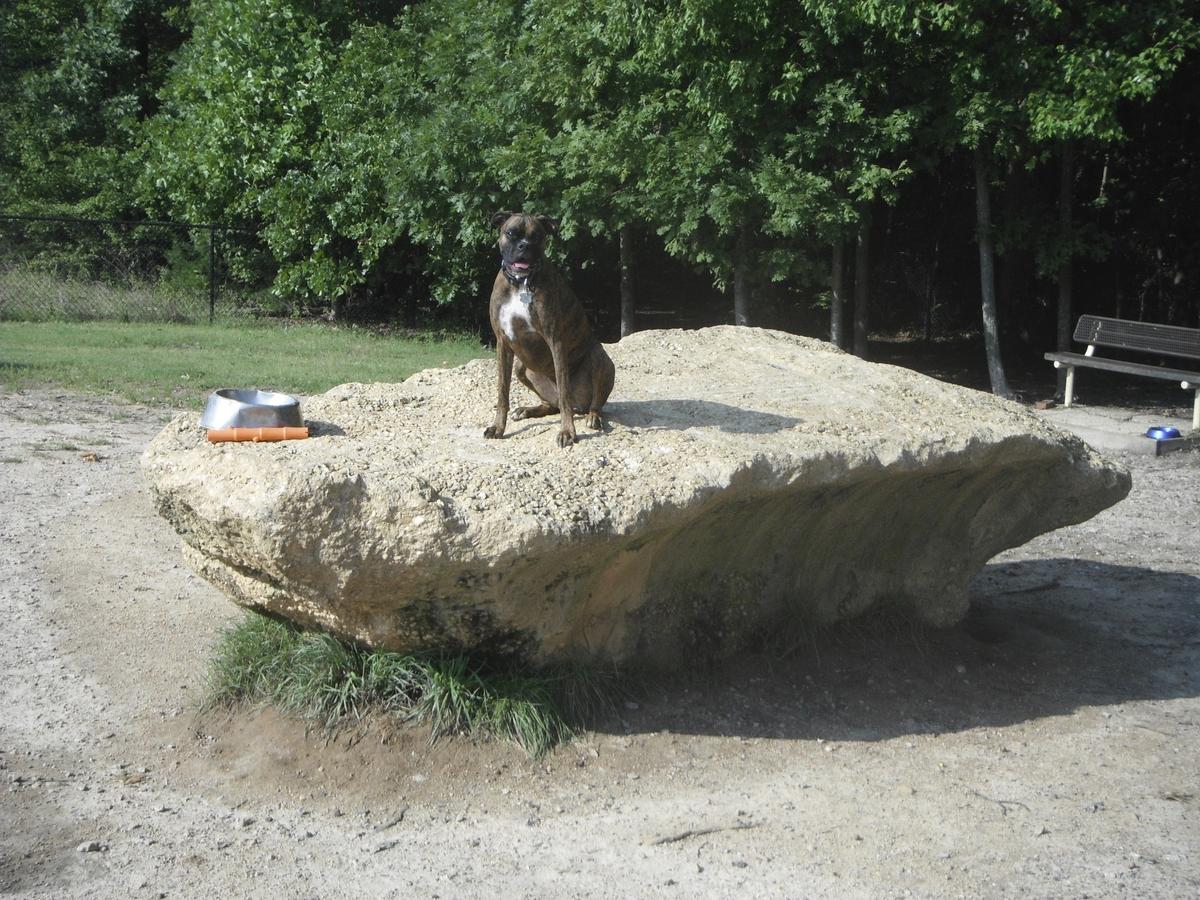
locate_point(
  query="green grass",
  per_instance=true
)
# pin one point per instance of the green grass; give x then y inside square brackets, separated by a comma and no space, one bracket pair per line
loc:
[28,294]
[179,365]
[317,677]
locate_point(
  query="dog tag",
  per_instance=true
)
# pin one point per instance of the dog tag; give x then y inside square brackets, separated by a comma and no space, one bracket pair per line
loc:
[525,295]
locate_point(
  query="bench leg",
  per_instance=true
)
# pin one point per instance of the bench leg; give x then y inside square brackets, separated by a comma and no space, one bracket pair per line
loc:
[1069,390]
[1195,388]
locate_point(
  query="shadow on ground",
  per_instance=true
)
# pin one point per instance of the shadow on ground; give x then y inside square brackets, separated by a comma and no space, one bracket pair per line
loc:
[682,414]
[1043,638]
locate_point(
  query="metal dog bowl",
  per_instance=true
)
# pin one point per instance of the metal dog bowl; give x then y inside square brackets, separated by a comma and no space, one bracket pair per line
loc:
[1162,432]
[250,408]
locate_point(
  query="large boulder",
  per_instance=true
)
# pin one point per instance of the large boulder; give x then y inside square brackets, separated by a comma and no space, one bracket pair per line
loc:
[744,476]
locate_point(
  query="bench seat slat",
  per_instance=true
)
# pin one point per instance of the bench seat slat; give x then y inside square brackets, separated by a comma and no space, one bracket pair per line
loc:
[1127,368]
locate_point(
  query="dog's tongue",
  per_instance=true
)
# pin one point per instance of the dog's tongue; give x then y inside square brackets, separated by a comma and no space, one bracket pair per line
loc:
[520,266]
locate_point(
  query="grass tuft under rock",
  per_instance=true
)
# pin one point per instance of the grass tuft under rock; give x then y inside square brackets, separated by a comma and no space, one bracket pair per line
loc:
[317,677]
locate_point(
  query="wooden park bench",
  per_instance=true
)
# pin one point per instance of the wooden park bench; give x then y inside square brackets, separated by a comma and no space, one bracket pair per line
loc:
[1144,337]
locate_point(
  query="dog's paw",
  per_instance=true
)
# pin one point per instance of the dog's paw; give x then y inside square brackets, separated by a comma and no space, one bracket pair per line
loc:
[592,420]
[521,412]
[493,432]
[566,438]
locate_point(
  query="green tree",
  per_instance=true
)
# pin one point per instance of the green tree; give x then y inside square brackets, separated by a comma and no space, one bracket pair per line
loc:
[1017,79]
[367,145]
[735,131]
[76,79]
[354,148]
[1104,56]
[240,112]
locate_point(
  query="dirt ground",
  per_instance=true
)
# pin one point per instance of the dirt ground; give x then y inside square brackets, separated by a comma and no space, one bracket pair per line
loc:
[1047,747]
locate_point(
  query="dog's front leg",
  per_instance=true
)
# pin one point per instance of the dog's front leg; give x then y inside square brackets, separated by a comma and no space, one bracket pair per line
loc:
[562,380]
[602,383]
[504,364]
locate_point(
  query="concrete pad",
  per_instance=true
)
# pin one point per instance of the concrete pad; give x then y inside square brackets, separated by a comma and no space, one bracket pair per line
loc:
[1119,428]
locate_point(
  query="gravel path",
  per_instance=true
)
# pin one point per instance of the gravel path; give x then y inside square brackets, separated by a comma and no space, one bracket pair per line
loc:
[1047,747]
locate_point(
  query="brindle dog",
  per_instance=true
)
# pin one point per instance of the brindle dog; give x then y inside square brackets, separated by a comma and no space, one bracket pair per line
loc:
[541,327]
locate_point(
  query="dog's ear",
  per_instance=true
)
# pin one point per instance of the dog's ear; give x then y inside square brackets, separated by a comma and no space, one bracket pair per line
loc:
[500,218]
[550,224]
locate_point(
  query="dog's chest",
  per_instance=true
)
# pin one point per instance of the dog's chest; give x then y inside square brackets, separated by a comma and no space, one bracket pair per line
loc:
[514,316]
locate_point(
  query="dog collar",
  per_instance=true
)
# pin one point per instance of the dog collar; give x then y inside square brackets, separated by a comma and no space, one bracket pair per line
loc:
[525,281]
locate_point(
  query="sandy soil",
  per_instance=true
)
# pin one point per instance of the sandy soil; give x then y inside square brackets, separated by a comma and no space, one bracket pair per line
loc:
[1047,747]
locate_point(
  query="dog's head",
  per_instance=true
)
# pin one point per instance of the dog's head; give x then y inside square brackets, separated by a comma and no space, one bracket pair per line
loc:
[522,241]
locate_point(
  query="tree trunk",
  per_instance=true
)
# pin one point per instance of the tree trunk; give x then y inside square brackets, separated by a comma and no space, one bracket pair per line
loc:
[931,289]
[1066,269]
[410,309]
[1016,269]
[935,257]
[862,284]
[627,266]
[1007,264]
[741,281]
[837,295]
[987,274]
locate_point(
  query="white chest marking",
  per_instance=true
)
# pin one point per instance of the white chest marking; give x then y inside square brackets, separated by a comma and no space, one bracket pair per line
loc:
[513,308]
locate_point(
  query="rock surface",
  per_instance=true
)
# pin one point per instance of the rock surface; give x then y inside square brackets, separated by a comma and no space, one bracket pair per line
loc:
[744,477]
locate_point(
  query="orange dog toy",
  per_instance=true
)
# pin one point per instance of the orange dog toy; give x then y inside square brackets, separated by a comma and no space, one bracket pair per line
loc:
[220,435]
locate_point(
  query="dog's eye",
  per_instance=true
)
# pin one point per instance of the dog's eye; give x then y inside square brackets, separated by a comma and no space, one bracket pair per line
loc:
[512,234]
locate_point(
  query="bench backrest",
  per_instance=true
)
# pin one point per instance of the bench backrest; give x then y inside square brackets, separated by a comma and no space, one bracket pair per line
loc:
[1173,340]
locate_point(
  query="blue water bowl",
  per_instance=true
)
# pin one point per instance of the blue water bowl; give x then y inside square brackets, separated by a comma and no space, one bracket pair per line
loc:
[1162,432]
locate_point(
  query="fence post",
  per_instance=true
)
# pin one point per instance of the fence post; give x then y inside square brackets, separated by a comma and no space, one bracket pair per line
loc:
[212,272]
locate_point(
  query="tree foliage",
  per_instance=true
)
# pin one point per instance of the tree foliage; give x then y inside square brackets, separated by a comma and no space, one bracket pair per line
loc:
[363,146]
[77,77]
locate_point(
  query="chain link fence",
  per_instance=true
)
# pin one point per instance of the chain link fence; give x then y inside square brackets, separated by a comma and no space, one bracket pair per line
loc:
[73,269]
